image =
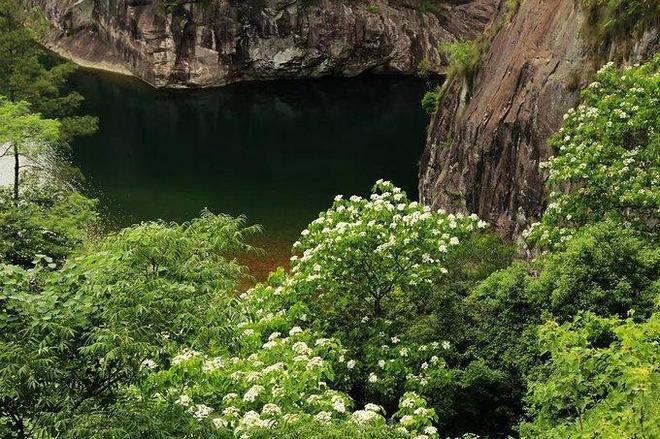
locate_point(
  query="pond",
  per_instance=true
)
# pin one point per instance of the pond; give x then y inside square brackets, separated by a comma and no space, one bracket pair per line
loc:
[276,152]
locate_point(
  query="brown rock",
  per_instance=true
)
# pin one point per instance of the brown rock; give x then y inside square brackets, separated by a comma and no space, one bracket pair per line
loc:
[210,43]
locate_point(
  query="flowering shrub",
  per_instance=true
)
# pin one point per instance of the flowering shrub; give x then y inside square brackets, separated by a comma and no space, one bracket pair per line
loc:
[282,379]
[370,258]
[607,162]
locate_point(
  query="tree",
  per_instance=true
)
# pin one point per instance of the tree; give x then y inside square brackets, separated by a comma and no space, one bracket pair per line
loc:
[71,340]
[28,73]
[23,133]
[374,258]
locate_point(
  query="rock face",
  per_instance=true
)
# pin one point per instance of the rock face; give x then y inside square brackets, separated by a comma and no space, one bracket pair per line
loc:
[198,43]
[485,142]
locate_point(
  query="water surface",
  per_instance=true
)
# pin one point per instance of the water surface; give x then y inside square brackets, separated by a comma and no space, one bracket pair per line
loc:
[277,152]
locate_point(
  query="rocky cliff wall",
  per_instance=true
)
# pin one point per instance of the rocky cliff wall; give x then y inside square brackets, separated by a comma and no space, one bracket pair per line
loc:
[485,141]
[198,43]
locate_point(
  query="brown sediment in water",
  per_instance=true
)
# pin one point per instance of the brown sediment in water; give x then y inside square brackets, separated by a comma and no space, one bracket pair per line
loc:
[275,253]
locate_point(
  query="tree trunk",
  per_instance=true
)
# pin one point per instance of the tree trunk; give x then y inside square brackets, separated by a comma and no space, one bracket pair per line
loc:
[16,171]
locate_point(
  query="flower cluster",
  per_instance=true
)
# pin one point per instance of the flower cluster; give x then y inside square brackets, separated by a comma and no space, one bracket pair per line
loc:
[607,162]
[393,366]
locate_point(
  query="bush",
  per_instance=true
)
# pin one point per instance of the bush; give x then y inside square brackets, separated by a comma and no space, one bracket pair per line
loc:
[607,163]
[463,57]
[607,269]
[46,223]
[610,19]
[602,380]
[431,100]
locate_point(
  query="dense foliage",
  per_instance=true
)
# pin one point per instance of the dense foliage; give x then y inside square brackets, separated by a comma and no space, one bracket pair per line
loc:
[603,379]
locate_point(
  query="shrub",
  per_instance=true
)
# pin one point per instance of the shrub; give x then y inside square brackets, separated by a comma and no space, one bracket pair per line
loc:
[606,268]
[609,19]
[431,100]
[464,57]
[73,340]
[602,379]
[46,223]
[607,162]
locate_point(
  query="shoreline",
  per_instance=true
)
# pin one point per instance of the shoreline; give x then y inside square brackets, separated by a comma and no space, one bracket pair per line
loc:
[103,66]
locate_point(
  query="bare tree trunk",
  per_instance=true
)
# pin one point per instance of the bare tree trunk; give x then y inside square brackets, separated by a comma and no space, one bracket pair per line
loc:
[16,171]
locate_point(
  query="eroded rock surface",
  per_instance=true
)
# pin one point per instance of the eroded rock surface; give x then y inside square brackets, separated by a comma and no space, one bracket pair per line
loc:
[188,43]
[486,141]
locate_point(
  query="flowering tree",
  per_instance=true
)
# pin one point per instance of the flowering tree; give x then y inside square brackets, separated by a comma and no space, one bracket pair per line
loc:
[607,162]
[366,258]
[282,381]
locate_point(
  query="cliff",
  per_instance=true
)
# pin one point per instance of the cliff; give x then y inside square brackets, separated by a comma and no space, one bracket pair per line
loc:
[199,43]
[486,140]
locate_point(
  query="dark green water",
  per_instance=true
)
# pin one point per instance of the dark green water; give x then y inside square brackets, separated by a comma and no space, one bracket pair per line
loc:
[277,152]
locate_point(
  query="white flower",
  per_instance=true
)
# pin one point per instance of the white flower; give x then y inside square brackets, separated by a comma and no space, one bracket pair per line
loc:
[271,409]
[372,407]
[408,403]
[323,417]
[338,405]
[373,377]
[148,364]
[381,363]
[201,411]
[219,423]
[211,365]
[395,340]
[184,400]
[407,420]
[362,417]
[184,356]
[425,365]
[295,330]
[274,335]
[301,348]
[446,345]
[453,240]
[231,412]
[350,364]
[229,397]
[314,363]
[430,430]
[252,393]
